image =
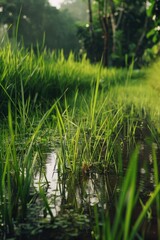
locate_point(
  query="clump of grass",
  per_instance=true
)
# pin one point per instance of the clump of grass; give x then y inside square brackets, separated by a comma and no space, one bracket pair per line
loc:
[16,179]
[91,129]
[18,164]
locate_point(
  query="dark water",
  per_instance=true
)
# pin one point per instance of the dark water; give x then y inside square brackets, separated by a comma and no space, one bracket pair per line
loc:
[72,200]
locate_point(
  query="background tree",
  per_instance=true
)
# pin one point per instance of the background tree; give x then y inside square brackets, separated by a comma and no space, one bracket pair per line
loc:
[36,19]
[91,34]
[120,28]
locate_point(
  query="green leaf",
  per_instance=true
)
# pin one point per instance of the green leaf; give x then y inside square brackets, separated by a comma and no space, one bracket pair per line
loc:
[150,9]
[151,33]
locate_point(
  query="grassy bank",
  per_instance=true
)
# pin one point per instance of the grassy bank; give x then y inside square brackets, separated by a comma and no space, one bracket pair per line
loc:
[47,75]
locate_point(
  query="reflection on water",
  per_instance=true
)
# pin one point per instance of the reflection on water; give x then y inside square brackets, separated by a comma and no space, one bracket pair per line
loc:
[67,192]
[49,176]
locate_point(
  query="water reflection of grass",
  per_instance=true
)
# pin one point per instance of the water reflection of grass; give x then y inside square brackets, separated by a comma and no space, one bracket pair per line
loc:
[93,130]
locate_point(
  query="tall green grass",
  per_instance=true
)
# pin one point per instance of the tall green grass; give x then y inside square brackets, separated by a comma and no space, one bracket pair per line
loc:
[47,75]
[92,127]
[18,163]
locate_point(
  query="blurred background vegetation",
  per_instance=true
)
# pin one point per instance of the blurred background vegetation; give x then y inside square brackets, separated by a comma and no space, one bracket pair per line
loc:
[112,31]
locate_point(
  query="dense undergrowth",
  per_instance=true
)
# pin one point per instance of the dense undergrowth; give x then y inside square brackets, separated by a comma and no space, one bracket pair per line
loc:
[93,118]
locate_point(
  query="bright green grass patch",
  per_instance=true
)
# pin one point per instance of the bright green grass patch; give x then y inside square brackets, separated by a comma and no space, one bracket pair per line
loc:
[47,75]
[142,97]
[153,75]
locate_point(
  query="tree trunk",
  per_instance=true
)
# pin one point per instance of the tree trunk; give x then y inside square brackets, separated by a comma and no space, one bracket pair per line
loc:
[115,24]
[91,30]
[138,49]
[90,19]
[106,34]
[106,41]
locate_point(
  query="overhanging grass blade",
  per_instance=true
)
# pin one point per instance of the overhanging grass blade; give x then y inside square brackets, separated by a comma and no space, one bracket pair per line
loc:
[148,204]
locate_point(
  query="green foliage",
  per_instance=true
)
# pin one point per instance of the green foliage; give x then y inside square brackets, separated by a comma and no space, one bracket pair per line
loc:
[128,25]
[153,11]
[151,54]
